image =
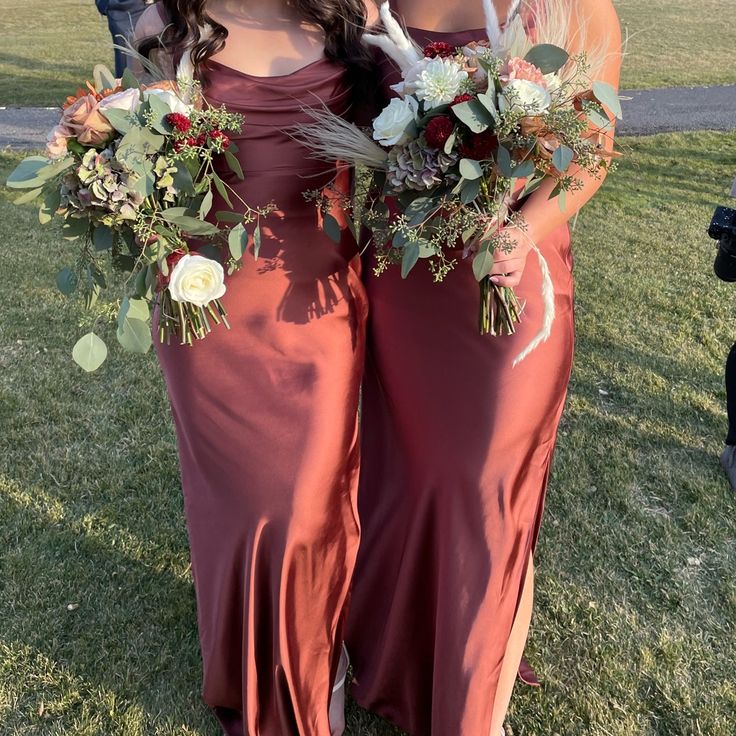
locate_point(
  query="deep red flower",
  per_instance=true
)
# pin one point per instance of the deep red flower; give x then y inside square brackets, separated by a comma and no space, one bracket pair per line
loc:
[201,139]
[162,281]
[464,97]
[480,146]
[179,122]
[438,130]
[438,48]
[219,136]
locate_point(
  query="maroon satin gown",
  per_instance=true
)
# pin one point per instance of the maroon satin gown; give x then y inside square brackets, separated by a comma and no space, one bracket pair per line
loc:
[266,422]
[457,445]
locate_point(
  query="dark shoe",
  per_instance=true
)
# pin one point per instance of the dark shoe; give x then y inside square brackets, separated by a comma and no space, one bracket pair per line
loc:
[728,462]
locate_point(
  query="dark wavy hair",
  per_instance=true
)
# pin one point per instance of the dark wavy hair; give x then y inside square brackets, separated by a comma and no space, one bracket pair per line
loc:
[343,23]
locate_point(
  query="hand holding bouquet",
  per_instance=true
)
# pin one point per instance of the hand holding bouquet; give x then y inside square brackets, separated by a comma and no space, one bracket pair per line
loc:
[130,172]
[472,131]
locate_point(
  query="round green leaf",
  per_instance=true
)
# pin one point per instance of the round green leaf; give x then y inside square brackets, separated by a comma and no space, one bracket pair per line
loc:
[331,228]
[470,169]
[482,263]
[66,281]
[135,335]
[608,96]
[409,258]
[90,352]
[547,57]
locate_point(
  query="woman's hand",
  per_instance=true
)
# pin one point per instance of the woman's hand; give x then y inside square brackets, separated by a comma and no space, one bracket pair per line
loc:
[509,263]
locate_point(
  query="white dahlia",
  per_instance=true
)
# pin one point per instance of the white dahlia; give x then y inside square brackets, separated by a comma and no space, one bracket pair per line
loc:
[440,82]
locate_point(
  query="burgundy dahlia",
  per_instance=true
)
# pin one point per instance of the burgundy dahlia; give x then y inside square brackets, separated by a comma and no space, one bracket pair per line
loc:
[438,48]
[438,130]
[480,146]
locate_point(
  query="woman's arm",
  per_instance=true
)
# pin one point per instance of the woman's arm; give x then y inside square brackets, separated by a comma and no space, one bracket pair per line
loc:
[541,214]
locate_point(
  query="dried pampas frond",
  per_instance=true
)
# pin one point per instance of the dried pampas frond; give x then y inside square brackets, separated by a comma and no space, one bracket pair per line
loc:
[331,138]
[560,22]
[395,43]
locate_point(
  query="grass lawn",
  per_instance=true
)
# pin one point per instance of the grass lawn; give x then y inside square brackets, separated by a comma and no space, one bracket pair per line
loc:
[634,629]
[48,49]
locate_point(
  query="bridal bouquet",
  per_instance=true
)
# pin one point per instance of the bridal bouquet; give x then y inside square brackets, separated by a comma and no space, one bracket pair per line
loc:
[129,171]
[471,131]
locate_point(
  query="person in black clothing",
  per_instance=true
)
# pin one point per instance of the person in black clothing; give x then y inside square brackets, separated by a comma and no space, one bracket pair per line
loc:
[122,16]
[723,229]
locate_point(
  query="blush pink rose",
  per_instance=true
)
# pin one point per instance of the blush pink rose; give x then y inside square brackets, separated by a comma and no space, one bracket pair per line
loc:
[86,123]
[56,143]
[516,68]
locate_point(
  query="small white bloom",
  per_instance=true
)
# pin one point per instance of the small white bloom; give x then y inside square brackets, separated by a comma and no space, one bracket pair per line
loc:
[127,100]
[389,128]
[527,97]
[554,83]
[439,82]
[175,103]
[197,280]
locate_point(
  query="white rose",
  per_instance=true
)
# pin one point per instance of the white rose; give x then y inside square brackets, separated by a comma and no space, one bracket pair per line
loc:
[175,103]
[197,280]
[389,128]
[526,97]
[440,82]
[127,100]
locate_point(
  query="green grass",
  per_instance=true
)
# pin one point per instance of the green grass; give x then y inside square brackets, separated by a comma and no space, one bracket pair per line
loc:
[678,42]
[48,49]
[634,627]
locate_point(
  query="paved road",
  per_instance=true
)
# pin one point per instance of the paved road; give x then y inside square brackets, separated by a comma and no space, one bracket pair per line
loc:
[647,112]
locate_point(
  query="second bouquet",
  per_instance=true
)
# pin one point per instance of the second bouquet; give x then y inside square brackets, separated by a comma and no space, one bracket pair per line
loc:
[471,132]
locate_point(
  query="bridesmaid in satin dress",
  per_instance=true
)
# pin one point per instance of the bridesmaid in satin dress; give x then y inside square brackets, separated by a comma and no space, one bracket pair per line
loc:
[266,412]
[457,446]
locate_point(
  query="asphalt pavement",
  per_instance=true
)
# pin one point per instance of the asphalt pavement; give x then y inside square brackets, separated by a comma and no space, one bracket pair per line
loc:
[646,112]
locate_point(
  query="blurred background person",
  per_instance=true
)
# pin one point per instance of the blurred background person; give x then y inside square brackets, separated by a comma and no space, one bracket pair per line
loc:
[723,229]
[122,16]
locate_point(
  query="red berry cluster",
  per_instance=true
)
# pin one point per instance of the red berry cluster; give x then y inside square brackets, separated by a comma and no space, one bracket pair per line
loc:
[438,48]
[180,123]
[464,97]
[215,136]
[438,130]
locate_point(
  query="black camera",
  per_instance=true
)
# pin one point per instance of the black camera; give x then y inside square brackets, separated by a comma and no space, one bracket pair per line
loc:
[723,229]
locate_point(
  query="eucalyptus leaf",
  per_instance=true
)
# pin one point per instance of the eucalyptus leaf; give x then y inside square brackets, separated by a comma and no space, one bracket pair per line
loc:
[89,352]
[135,335]
[129,80]
[222,189]
[66,281]
[104,78]
[547,57]
[228,216]
[191,225]
[24,175]
[102,237]
[469,191]
[607,95]
[145,185]
[234,164]
[29,196]
[483,263]
[524,169]
[331,227]
[183,178]
[426,249]
[450,142]
[51,203]
[409,258]
[470,169]
[159,110]
[74,227]
[206,205]
[237,241]
[474,115]
[256,241]
[503,159]
[488,100]
[562,157]
[122,120]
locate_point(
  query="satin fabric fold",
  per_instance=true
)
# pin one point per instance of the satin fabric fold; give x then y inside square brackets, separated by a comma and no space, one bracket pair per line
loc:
[457,446]
[266,422]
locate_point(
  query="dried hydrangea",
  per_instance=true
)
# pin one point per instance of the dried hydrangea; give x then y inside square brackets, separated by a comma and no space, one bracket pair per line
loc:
[414,166]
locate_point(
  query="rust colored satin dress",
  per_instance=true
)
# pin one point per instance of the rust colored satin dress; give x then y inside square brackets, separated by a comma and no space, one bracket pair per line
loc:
[457,446]
[266,423]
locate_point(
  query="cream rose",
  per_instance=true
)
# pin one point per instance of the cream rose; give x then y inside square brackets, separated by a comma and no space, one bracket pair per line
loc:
[389,128]
[524,96]
[175,103]
[127,100]
[197,280]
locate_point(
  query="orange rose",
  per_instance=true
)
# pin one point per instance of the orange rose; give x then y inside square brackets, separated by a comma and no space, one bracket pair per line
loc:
[85,122]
